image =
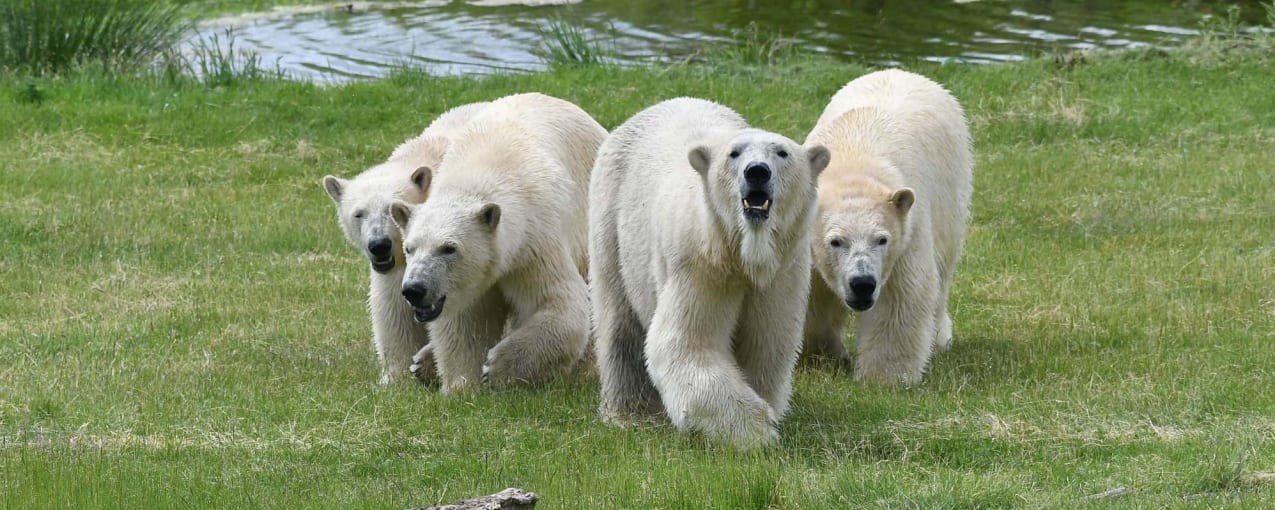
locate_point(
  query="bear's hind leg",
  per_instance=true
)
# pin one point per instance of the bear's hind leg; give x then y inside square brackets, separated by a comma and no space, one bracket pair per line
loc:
[942,320]
[627,391]
[943,340]
[946,267]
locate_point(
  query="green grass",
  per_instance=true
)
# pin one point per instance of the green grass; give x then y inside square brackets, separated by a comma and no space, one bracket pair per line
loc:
[182,323]
[43,36]
[566,45]
[218,65]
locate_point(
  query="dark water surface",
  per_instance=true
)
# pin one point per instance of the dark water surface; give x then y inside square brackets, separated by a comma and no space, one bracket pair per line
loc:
[328,44]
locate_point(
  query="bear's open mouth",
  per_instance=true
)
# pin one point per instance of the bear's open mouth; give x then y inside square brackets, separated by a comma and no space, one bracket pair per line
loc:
[429,313]
[861,305]
[756,205]
[382,266]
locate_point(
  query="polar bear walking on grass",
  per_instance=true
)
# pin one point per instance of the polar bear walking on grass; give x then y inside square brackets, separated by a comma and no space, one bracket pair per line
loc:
[502,237]
[893,209]
[700,267]
[363,211]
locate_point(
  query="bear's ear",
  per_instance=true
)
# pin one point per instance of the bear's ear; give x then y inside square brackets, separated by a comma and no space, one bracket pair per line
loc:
[401,212]
[490,215]
[422,177]
[819,157]
[902,200]
[700,157]
[334,186]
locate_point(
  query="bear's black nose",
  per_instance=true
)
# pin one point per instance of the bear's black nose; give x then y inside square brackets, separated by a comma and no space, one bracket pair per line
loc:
[862,286]
[757,173]
[415,293]
[380,247]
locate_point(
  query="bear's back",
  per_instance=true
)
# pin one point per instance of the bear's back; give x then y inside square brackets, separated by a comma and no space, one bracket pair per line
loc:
[916,124]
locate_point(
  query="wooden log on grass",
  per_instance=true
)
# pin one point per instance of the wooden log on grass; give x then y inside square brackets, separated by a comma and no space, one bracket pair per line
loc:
[508,499]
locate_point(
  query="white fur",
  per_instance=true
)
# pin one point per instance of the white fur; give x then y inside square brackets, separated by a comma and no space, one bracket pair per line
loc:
[510,199]
[889,131]
[695,306]
[395,335]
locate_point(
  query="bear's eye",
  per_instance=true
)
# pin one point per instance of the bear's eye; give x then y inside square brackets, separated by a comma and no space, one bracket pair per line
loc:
[408,250]
[734,154]
[359,214]
[835,243]
[782,153]
[881,241]
[447,249]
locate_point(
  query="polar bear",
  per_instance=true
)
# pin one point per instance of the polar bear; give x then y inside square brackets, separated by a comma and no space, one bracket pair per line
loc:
[362,205]
[893,210]
[699,271]
[503,236]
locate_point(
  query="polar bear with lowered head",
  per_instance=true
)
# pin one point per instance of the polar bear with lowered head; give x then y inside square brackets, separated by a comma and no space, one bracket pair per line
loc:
[700,267]
[363,211]
[503,237]
[893,209]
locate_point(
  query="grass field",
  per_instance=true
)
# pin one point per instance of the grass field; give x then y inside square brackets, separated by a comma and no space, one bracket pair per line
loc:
[182,325]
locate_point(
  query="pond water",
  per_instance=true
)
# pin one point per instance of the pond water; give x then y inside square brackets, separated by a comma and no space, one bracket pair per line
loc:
[368,39]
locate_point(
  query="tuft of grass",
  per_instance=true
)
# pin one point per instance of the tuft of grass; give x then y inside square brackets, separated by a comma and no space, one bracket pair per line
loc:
[1227,26]
[217,65]
[754,46]
[1224,470]
[1220,36]
[566,45]
[48,36]
[31,93]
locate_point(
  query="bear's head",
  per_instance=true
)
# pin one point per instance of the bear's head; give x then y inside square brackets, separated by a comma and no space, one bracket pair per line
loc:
[450,245]
[861,230]
[761,184]
[363,210]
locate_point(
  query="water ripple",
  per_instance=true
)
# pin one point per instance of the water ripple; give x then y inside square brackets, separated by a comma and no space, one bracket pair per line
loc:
[324,44]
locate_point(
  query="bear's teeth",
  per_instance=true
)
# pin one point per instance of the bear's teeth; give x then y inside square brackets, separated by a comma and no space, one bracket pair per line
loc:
[765,206]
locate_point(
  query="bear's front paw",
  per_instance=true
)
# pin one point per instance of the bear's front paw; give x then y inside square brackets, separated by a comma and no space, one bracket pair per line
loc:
[745,423]
[422,367]
[759,429]
[497,371]
[505,366]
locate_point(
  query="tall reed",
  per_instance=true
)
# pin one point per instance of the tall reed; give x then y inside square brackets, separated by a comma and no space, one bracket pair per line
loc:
[568,45]
[47,36]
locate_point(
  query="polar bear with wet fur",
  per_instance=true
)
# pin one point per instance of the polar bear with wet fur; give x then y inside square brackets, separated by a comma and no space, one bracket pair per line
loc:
[502,238]
[894,205]
[699,271]
[363,212]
